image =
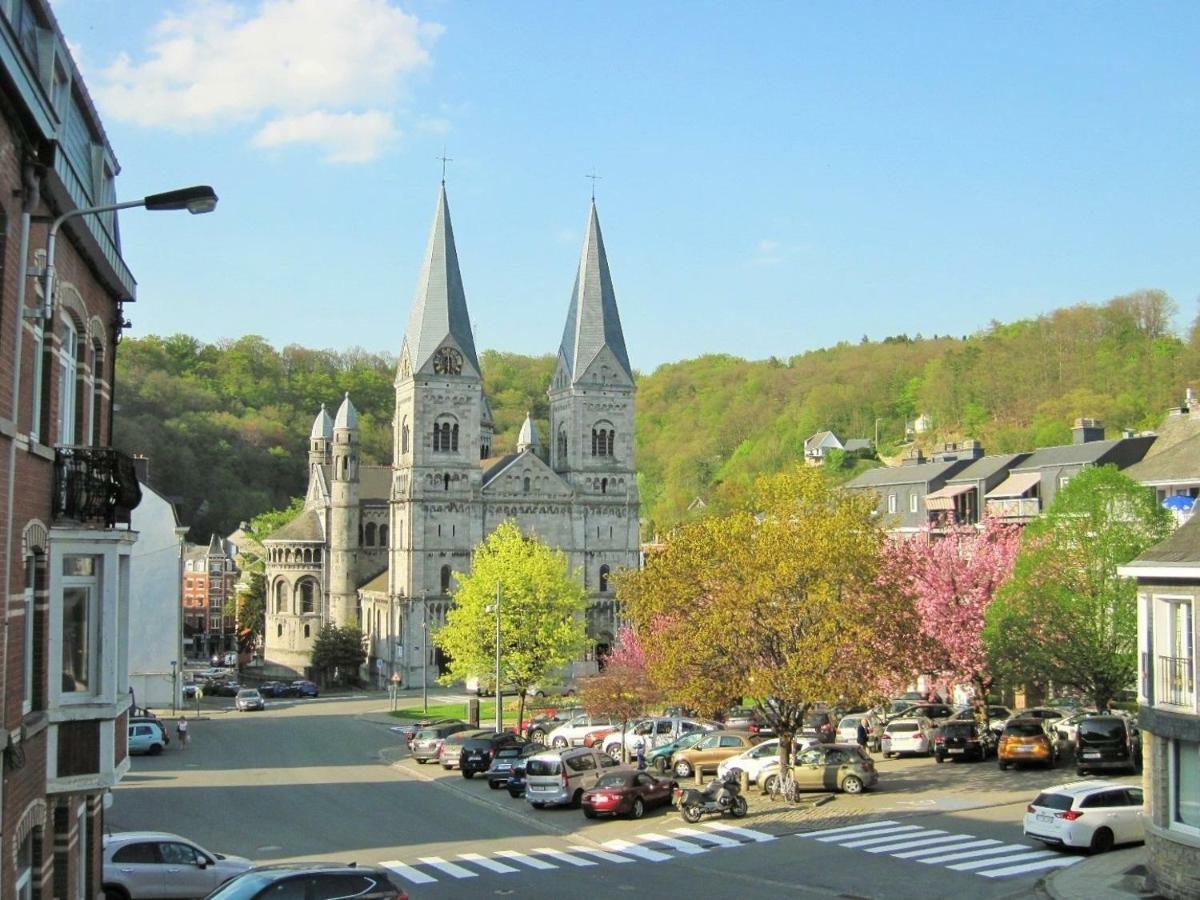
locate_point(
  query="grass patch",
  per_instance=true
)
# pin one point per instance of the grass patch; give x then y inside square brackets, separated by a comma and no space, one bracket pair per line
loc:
[487,710]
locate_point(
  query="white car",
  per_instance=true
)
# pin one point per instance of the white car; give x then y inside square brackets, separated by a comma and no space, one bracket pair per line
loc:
[1093,814]
[762,759]
[654,732]
[913,735]
[157,864]
[847,730]
[572,732]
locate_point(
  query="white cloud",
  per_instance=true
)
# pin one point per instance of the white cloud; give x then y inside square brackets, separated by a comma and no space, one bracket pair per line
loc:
[766,253]
[298,66]
[344,137]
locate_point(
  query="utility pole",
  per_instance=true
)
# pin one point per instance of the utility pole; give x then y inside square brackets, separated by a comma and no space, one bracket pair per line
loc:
[424,655]
[499,689]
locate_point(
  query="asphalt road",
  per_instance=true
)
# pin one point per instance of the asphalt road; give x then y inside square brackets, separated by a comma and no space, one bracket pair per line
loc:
[324,779]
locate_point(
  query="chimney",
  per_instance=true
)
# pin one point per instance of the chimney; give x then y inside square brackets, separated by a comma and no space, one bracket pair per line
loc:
[1087,430]
[914,458]
[141,467]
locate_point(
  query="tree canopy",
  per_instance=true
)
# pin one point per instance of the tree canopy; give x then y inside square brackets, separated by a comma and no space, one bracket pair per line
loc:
[338,652]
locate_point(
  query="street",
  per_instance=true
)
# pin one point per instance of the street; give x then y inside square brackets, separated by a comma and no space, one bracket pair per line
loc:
[327,779]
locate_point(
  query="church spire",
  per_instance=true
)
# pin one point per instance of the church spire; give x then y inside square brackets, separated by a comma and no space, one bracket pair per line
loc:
[439,312]
[593,322]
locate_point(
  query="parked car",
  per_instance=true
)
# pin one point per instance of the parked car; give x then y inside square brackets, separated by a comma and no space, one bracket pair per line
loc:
[559,777]
[224,688]
[314,880]
[516,779]
[1046,713]
[1027,740]
[248,699]
[1066,727]
[505,759]
[710,750]
[934,712]
[1107,742]
[659,758]
[541,725]
[738,718]
[141,864]
[655,732]
[1067,704]
[146,737]
[597,737]
[831,767]
[304,688]
[1093,814]
[997,716]
[752,760]
[275,689]
[145,717]
[626,792]
[964,739]
[452,745]
[571,732]
[190,691]
[847,729]
[477,752]
[427,743]
[910,735]
[819,724]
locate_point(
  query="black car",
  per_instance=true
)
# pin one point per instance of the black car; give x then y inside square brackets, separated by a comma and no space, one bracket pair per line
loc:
[1107,742]
[818,725]
[275,689]
[516,779]
[304,688]
[478,750]
[222,688]
[505,760]
[312,881]
[960,739]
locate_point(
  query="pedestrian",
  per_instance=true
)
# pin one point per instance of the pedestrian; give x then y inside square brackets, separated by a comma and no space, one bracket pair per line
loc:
[861,733]
[639,745]
[181,729]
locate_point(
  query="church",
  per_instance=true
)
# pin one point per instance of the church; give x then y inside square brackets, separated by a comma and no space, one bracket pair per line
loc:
[381,545]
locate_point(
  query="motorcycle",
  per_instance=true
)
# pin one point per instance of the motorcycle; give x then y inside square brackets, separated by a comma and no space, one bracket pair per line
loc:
[723,795]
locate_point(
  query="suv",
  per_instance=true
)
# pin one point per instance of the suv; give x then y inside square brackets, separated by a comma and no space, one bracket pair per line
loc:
[962,739]
[427,742]
[1026,740]
[1093,814]
[558,777]
[315,879]
[818,725]
[451,750]
[653,732]
[544,723]
[157,864]
[477,752]
[1107,742]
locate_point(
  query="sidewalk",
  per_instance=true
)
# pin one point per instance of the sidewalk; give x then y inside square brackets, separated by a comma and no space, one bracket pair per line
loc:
[1117,875]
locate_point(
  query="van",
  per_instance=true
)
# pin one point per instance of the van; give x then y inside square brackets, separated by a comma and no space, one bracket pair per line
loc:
[1107,742]
[559,777]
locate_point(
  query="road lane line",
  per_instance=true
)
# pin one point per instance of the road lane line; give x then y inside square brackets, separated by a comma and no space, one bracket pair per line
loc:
[849,828]
[914,854]
[760,837]
[1031,867]
[910,832]
[976,854]
[480,860]
[1028,856]
[602,854]
[525,859]
[563,856]
[891,829]
[634,850]
[923,842]
[674,843]
[717,839]
[451,869]
[416,876]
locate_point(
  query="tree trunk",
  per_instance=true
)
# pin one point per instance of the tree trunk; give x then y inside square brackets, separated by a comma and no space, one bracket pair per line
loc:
[520,709]
[785,751]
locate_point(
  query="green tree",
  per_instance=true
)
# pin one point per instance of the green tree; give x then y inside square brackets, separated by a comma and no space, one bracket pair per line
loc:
[541,614]
[339,650]
[252,612]
[1065,616]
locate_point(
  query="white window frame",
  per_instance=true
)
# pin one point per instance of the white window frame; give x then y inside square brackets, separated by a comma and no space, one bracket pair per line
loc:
[891,504]
[68,374]
[29,602]
[912,502]
[93,584]
[1173,767]
[1174,636]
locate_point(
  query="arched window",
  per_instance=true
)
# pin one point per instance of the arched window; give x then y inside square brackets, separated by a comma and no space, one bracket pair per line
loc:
[445,579]
[68,382]
[307,630]
[308,596]
[562,445]
[454,438]
[404,436]
[526,484]
[383,535]
[279,630]
[612,434]
[604,485]
[446,482]
[603,437]
[603,578]
[280,596]
[370,534]
[317,557]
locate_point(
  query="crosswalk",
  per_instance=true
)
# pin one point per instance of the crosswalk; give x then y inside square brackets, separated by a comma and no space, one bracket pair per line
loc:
[988,857]
[653,846]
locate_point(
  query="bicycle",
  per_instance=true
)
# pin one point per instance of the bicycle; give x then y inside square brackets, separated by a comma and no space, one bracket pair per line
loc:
[783,786]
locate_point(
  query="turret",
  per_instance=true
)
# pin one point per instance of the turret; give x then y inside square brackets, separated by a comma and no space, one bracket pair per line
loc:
[319,439]
[529,439]
[344,517]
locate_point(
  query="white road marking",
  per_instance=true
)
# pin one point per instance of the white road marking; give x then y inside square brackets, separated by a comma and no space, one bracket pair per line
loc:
[891,829]
[416,876]
[976,854]
[563,856]
[1031,867]
[922,842]
[914,854]
[602,854]
[674,843]
[717,839]
[1028,856]
[760,837]
[634,850]
[849,828]
[913,831]
[524,859]
[480,860]
[451,869]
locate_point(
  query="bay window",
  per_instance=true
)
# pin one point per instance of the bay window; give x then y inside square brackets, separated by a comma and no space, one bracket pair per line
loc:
[80,624]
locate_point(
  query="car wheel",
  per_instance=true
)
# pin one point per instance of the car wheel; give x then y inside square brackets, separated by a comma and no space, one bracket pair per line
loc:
[614,752]
[494,785]
[1081,772]
[939,758]
[589,814]
[683,768]
[420,760]
[514,794]
[537,737]
[467,774]
[576,799]
[639,808]
[559,743]
[115,893]
[156,749]
[852,784]
[1102,841]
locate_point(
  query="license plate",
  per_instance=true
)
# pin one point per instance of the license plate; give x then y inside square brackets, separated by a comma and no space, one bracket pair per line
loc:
[1042,817]
[475,756]
[956,750]
[1024,748]
[1091,754]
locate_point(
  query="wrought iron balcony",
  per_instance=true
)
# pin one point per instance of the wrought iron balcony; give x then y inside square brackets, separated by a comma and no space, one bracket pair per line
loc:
[94,485]
[1176,680]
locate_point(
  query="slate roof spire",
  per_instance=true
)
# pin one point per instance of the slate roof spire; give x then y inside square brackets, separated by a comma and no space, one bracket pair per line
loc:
[529,439]
[322,425]
[347,415]
[593,321]
[440,307]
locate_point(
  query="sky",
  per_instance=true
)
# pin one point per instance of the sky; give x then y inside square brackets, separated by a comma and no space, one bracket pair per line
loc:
[773,177]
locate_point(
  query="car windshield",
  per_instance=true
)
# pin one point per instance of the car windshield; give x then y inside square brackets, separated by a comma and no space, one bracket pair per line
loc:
[615,780]
[1053,801]
[245,695]
[543,767]
[1024,729]
[850,722]
[1101,730]
[426,735]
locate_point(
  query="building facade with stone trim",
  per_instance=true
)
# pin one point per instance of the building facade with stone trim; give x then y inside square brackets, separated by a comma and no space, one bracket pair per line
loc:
[383,546]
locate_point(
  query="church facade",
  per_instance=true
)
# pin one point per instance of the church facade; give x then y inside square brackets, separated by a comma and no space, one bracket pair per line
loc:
[382,546]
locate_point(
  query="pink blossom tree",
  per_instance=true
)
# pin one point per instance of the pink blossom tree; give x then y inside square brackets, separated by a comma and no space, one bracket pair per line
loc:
[952,578]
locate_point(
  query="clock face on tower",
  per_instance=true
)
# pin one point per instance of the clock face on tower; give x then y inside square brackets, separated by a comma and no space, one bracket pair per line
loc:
[447,361]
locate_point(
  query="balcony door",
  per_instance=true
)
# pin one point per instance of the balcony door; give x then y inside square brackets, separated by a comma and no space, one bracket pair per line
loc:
[1175,649]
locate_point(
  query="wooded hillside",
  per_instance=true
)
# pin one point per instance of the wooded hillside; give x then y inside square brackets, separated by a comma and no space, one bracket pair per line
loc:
[226,425]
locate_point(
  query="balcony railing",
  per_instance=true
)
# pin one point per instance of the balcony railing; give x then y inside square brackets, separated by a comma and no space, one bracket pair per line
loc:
[1177,680]
[94,485]
[1014,508]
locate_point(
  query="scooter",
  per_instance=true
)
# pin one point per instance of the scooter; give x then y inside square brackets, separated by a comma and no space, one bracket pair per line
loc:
[723,795]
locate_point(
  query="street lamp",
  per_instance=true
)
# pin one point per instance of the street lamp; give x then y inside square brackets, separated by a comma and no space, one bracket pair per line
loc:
[499,690]
[196,200]
[424,656]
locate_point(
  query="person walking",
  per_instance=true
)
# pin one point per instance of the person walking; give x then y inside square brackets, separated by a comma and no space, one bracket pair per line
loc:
[639,745]
[861,733]
[181,729]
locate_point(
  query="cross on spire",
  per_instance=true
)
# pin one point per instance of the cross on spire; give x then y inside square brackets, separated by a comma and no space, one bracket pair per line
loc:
[445,159]
[594,178]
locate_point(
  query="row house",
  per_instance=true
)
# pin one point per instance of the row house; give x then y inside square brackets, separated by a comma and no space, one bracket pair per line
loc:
[210,600]
[67,495]
[902,490]
[1172,465]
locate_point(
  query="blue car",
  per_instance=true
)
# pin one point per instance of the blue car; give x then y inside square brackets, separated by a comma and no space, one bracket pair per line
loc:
[305,689]
[146,737]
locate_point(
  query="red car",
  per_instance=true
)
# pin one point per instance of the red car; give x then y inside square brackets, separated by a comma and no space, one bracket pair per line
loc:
[626,792]
[592,738]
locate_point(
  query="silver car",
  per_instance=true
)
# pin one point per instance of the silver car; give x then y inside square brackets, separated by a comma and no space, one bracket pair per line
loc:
[158,864]
[559,777]
[249,698]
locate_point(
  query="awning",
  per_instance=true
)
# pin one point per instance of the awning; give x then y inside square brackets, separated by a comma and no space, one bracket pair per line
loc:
[1016,485]
[944,498]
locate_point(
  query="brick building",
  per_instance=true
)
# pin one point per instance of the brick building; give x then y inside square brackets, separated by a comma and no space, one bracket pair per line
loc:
[209,600]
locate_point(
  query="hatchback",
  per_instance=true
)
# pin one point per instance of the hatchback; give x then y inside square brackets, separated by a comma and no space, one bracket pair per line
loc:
[911,735]
[312,881]
[1094,814]
[626,792]
[710,750]
[833,767]
[963,740]
[451,749]
[505,759]
[1107,742]
[158,864]
[477,752]
[542,724]
[427,742]
[660,757]
[146,737]
[248,699]
[1027,740]
[558,777]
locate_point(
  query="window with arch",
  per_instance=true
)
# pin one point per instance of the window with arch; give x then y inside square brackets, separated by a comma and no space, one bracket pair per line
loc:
[445,436]
[95,404]
[603,438]
[370,534]
[445,579]
[604,578]
[279,630]
[604,485]
[307,630]
[68,380]
[383,535]
[562,445]
[525,483]
[308,596]
[280,596]
[404,435]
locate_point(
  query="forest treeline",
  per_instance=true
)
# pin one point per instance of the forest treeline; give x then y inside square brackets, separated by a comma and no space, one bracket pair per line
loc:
[226,425]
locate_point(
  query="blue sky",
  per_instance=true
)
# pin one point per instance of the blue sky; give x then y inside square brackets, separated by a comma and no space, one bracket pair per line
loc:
[775,177]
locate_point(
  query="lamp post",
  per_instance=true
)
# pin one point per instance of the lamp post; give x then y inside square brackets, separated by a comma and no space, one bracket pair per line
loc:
[424,656]
[174,685]
[499,689]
